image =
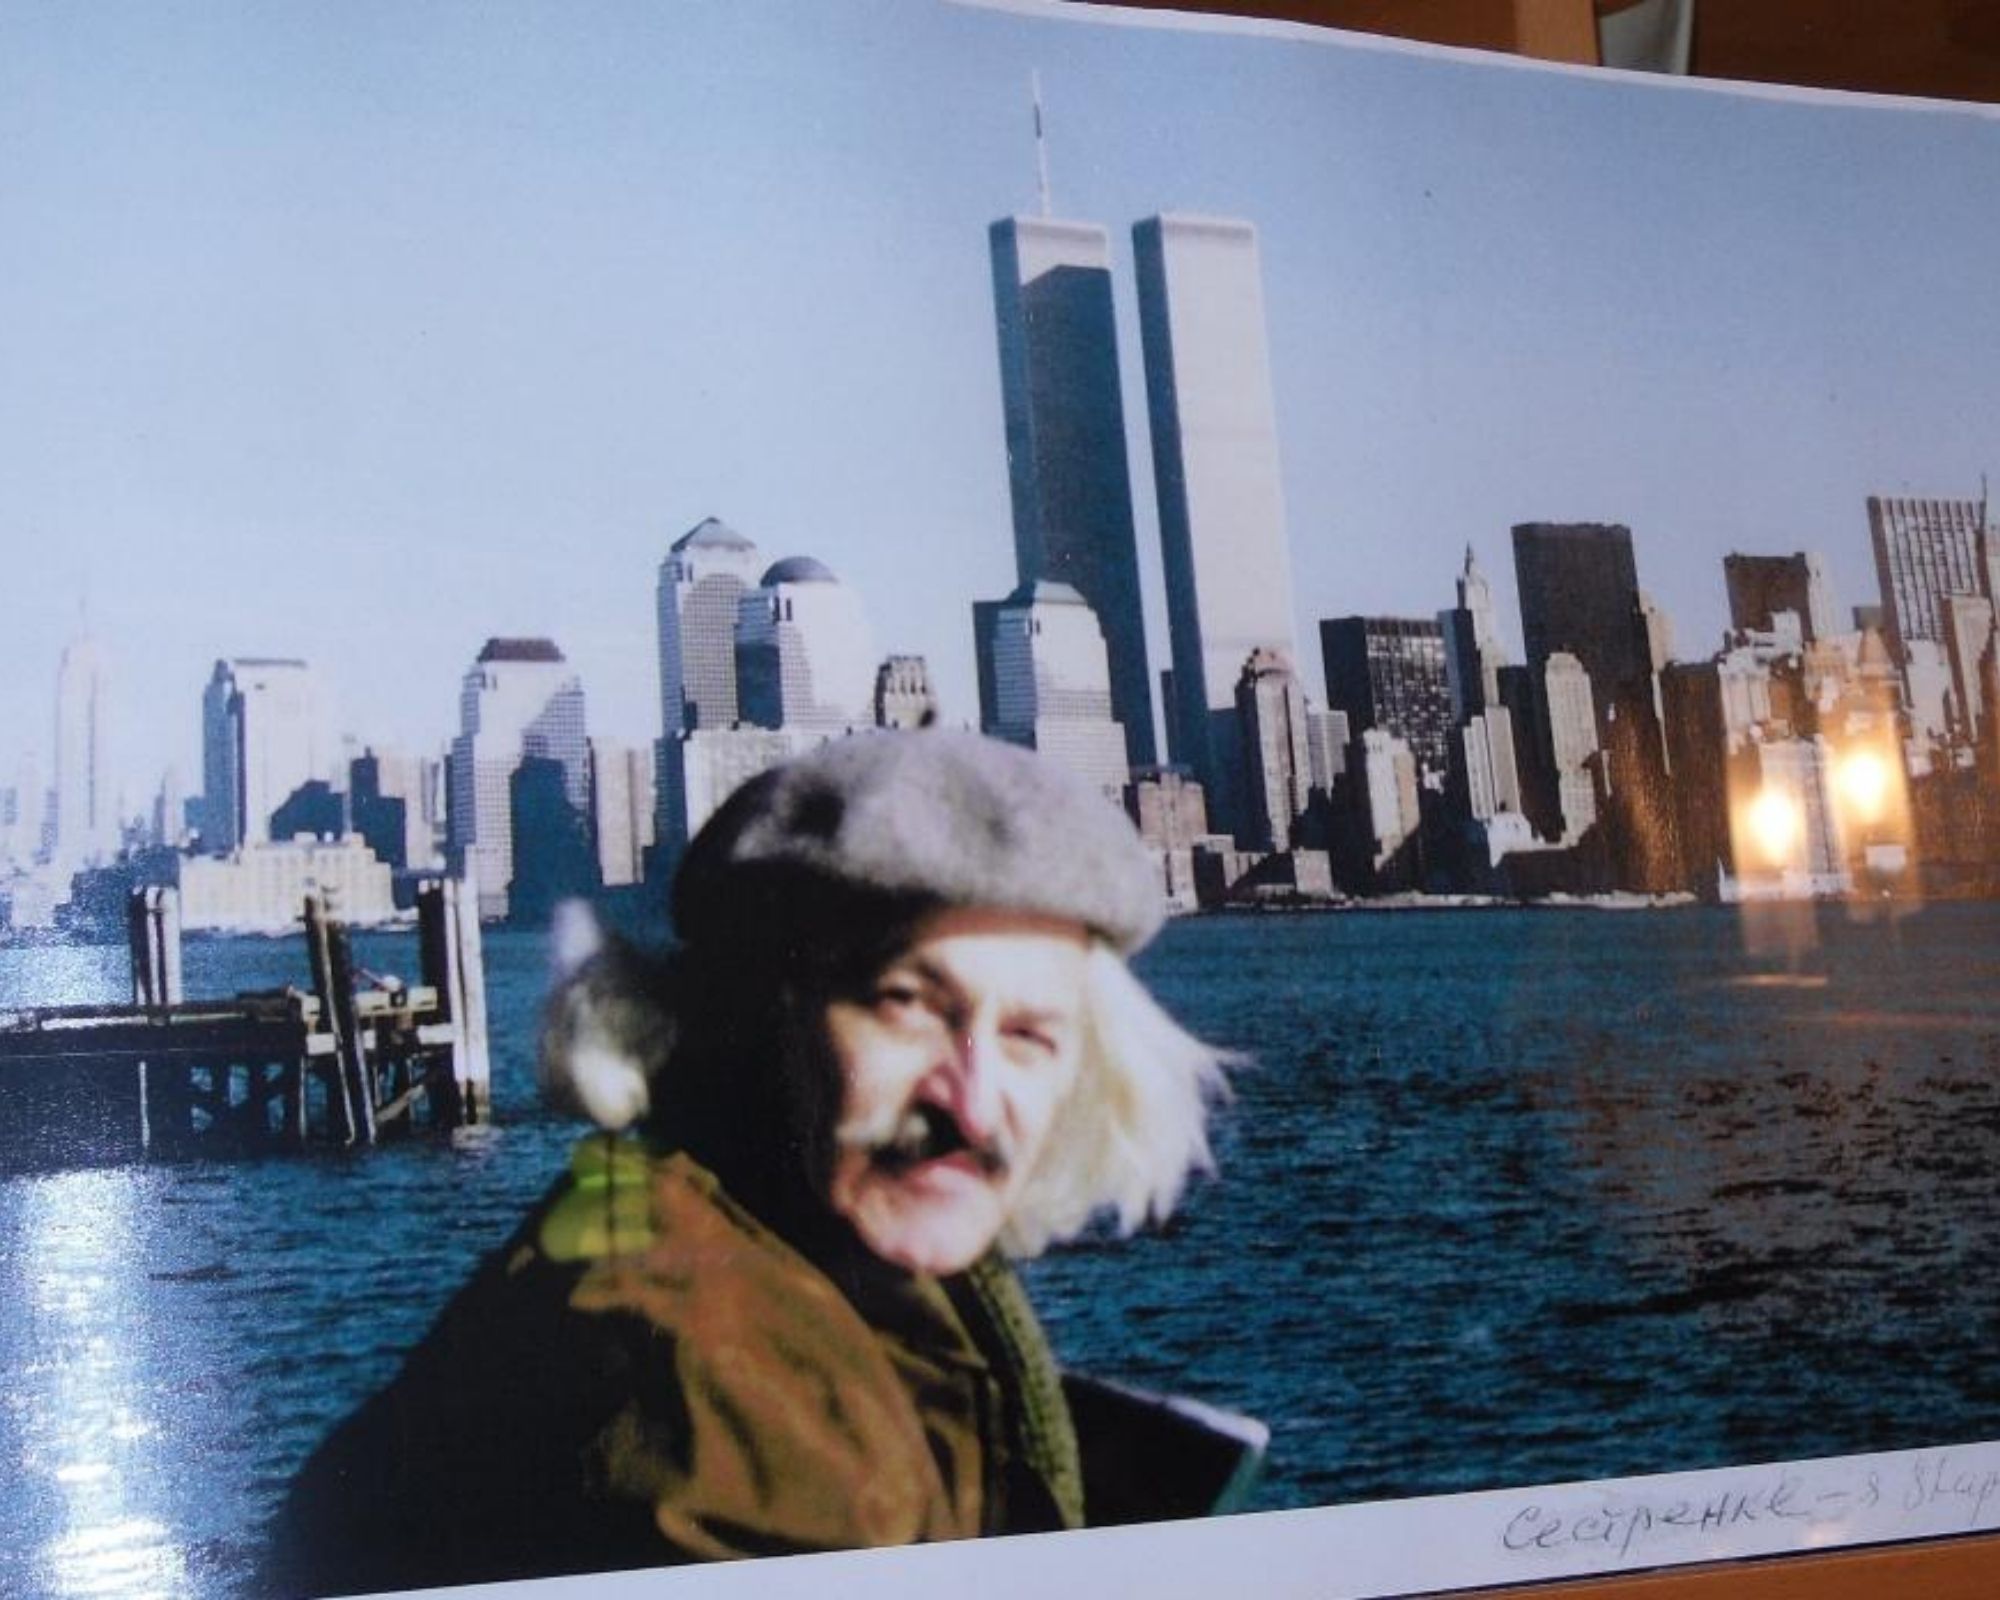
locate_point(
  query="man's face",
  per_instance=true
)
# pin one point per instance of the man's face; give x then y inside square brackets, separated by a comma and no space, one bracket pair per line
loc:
[955,1061]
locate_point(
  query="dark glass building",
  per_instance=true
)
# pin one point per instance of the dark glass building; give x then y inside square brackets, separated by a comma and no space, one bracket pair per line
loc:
[1389,673]
[1067,467]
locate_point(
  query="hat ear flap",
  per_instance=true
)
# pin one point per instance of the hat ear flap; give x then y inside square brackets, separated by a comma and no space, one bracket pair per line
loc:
[608,1024]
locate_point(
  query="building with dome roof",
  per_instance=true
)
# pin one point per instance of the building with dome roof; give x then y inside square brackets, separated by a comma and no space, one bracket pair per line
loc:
[1045,681]
[702,582]
[805,658]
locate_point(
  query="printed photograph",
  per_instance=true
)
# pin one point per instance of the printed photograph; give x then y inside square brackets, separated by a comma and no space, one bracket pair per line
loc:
[781,777]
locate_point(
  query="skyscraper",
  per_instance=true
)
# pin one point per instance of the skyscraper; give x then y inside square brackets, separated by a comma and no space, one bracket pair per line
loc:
[1925,550]
[1389,673]
[1277,759]
[1051,686]
[520,700]
[1067,467]
[1762,586]
[1579,590]
[804,656]
[84,824]
[266,733]
[1573,740]
[1473,656]
[904,698]
[1215,470]
[622,806]
[702,581]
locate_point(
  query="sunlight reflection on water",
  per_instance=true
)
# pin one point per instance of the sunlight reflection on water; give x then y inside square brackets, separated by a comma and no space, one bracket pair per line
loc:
[85,1404]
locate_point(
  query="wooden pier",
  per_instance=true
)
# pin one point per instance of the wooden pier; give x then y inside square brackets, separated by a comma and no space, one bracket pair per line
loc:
[353,1059]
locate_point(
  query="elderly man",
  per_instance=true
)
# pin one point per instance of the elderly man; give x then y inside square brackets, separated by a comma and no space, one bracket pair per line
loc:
[898,1042]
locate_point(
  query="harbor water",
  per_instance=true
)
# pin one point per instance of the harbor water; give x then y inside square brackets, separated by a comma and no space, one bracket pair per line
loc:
[1503,1196]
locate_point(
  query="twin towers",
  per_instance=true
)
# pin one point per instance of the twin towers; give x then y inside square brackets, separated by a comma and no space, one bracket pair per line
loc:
[1215,466]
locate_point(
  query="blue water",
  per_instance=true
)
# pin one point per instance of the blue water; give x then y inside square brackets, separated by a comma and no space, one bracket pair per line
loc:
[1505,1196]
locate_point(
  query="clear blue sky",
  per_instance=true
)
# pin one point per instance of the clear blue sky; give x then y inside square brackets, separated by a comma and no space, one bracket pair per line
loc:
[363,331]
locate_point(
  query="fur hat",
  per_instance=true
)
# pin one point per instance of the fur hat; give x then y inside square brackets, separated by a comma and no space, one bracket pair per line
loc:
[928,818]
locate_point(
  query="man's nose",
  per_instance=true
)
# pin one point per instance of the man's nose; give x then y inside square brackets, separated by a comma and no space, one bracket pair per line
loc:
[976,1069]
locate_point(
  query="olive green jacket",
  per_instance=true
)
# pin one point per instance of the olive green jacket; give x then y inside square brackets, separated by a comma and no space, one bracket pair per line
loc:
[648,1374]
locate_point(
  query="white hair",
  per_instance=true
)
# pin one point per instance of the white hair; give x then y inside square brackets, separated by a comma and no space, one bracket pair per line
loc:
[1134,1128]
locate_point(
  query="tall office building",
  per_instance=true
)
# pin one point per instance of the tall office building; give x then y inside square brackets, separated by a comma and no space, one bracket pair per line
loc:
[1390,673]
[1051,684]
[520,700]
[1216,475]
[1925,550]
[266,734]
[904,698]
[1272,721]
[1579,590]
[1760,587]
[395,802]
[1486,759]
[804,656]
[622,806]
[84,822]
[1966,621]
[1573,740]
[1473,655]
[702,581]
[1068,472]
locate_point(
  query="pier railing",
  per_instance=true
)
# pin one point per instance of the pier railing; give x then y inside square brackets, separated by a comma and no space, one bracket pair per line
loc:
[352,1059]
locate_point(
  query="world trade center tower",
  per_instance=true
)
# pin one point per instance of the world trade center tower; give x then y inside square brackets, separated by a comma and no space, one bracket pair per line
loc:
[1067,466]
[1215,466]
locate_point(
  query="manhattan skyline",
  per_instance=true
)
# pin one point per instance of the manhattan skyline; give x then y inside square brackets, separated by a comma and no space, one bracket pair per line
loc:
[364,338]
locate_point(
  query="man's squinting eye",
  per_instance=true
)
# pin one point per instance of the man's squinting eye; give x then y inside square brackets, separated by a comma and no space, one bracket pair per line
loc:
[1033,1038]
[898,999]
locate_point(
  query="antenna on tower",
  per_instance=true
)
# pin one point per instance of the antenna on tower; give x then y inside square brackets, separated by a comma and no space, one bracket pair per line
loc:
[1041,141]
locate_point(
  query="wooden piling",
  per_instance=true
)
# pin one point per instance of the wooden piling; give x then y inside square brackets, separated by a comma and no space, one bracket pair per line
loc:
[454,966]
[153,930]
[319,952]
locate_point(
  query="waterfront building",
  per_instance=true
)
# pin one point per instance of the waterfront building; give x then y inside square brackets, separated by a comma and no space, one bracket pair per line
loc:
[1218,486]
[1486,758]
[1271,719]
[701,769]
[266,732]
[1786,838]
[83,819]
[1966,621]
[1656,628]
[1927,688]
[520,700]
[169,821]
[1389,789]
[1573,746]
[904,698]
[1391,673]
[396,802]
[1699,741]
[555,856]
[702,581]
[1925,550]
[1167,807]
[1068,473]
[1747,696]
[1763,587]
[24,808]
[804,656]
[1327,735]
[622,806]
[1579,592]
[1473,655]
[259,888]
[1051,685]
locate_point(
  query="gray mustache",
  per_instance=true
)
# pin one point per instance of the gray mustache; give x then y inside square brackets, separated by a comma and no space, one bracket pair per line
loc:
[924,1132]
